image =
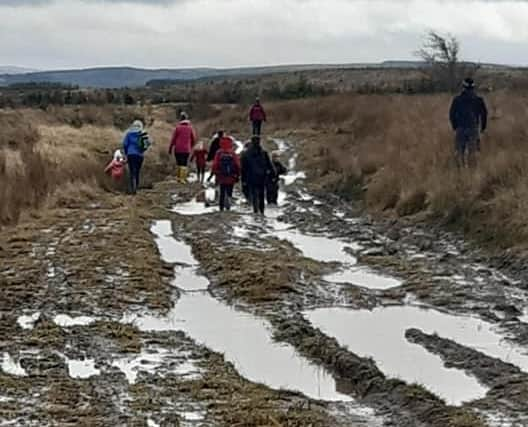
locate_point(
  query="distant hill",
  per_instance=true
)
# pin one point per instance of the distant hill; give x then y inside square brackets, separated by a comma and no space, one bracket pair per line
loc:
[9,69]
[116,77]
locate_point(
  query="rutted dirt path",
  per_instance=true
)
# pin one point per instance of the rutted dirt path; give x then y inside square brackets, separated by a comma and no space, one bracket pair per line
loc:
[124,312]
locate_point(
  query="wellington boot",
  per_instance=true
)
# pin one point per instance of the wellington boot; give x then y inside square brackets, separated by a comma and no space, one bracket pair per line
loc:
[178,174]
[184,173]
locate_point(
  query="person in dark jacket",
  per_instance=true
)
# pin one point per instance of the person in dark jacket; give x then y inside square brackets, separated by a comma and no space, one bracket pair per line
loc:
[243,182]
[256,168]
[272,186]
[214,146]
[226,167]
[257,116]
[469,117]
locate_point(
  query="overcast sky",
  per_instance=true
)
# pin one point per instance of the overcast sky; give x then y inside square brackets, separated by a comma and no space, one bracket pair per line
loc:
[48,34]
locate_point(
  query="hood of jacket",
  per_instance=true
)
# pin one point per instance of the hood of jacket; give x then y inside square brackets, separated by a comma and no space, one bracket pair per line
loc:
[226,143]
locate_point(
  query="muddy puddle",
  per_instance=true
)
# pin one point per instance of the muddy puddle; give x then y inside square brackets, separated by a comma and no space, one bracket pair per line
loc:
[362,277]
[195,207]
[11,367]
[28,321]
[386,343]
[245,340]
[152,358]
[66,321]
[318,248]
[171,250]
[81,369]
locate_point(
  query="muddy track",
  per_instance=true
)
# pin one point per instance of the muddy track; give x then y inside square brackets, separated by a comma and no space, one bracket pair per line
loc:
[111,317]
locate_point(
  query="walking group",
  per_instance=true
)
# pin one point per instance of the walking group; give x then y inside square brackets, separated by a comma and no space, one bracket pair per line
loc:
[257,171]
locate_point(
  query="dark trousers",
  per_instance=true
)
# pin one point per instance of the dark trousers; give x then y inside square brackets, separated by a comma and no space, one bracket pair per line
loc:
[226,192]
[257,127]
[200,170]
[134,171]
[257,193]
[272,193]
[182,159]
[246,192]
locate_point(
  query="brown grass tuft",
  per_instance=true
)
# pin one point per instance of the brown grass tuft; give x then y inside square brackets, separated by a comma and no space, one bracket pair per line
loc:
[398,151]
[46,158]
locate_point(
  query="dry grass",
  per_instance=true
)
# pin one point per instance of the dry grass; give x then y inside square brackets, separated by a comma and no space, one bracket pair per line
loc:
[45,160]
[401,148]
[398,148]
[398,152]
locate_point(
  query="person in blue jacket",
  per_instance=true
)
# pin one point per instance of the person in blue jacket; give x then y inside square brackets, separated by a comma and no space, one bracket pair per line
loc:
[135,143]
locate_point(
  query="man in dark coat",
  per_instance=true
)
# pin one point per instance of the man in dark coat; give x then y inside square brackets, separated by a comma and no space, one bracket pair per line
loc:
[469,117]
[256,168]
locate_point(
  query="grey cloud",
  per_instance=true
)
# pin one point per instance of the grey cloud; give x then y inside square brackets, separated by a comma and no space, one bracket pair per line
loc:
[79,33]
[22,3]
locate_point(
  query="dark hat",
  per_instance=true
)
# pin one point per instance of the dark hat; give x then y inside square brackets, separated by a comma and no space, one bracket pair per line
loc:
[468,83]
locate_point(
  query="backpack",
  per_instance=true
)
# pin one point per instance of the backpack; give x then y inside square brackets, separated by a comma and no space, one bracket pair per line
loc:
[143,141]
[227,165]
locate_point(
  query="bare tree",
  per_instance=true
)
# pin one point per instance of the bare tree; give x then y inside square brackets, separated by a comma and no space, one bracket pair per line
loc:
[441,53]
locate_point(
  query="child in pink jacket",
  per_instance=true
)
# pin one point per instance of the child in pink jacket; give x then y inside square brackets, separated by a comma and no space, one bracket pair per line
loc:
[116,168]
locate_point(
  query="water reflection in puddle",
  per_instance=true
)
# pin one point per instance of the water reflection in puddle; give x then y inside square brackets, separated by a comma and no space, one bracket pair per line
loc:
[81,369]
[10,367]
[28,321]
[150,360]
[397,357]
[172,251]
[292,177]
[318,248]
[65,321]
[193,208]
[246,342]
[363,278]
[186,279]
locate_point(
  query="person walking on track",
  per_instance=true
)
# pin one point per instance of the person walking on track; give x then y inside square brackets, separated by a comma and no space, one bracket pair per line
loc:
[256,168]
[135,143]
[199,155]
[226,167]
[214,146]
[257,116]
[273,181]
[182,143]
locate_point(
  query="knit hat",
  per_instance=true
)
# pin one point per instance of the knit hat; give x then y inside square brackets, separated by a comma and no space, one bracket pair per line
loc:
[118,155]
[468,83]
[183,115]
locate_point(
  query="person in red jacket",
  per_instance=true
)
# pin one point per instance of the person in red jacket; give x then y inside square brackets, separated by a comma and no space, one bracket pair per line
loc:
[226,167]
[199,155]
[116,168]
[183,140]
[257,116]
